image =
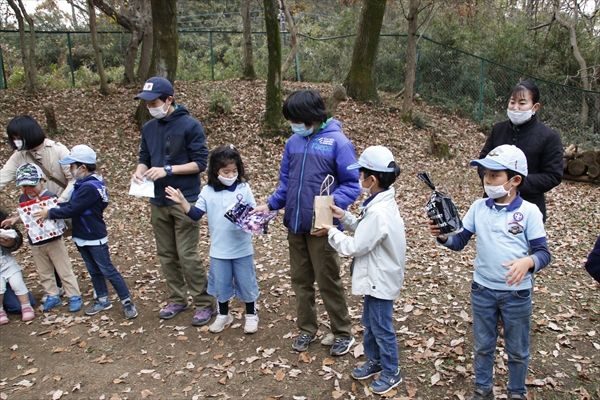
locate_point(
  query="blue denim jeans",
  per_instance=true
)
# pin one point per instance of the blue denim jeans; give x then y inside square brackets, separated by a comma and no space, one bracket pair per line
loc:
[514,307]
[380,338]
[236,277]
[97,261]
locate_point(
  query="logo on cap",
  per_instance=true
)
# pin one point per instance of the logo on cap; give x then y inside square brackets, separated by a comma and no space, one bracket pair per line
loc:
[148,86]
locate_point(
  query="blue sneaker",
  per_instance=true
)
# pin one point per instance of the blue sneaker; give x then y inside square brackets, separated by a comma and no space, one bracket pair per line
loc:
[129,309]
[75,303]
[97,307]
[386,382]
[366,370]
[51,302]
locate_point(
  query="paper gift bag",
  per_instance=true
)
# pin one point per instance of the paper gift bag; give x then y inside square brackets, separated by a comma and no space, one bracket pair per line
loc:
[40,229]
[322,213]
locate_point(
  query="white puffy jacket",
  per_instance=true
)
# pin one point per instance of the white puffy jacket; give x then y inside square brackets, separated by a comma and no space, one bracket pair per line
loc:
[378,247]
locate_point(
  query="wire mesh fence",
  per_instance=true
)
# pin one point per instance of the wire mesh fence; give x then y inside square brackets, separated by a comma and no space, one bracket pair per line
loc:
[463,83]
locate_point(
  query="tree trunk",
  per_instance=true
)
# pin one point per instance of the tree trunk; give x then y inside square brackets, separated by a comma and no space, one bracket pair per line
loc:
[411,59]
[51,124]
[294,38]
[273,119]
[247,57]
[97,50]
[360,82]
[576,167]
[144,63]
[32,66]
[29,84]
[165,48]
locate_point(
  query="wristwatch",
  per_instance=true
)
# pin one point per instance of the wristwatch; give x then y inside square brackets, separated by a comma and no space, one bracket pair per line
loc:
[169,170]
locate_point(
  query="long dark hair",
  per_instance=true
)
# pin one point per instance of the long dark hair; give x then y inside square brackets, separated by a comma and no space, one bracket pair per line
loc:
[26,128]
[220,157]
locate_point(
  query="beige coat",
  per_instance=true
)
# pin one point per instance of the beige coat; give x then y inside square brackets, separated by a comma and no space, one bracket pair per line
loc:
[48,155]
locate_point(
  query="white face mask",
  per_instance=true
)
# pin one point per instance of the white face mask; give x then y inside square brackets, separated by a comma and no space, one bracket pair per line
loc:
[227,181]
[159,112]
[519,117]
[78,177]
[495,192]
[363,189]
[18,144]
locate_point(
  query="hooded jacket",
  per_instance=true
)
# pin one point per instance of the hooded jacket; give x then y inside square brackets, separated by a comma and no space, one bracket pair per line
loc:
[86,208]
[592,265]
[544,152]
[305,164]
[378,247]
[174,140]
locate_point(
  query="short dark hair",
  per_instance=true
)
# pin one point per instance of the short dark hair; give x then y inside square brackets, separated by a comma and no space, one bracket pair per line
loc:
[89,167]
[526,86]
[305,106]
[219,158]
[386,179]
[511,174]
[165,97]
[26,128]
[3,214]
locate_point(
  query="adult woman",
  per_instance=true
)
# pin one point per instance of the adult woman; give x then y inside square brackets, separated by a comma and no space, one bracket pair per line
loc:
[28,138]
[542,146]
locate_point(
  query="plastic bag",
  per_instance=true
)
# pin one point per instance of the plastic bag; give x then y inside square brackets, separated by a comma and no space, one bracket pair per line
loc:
[441,210]
[239,214]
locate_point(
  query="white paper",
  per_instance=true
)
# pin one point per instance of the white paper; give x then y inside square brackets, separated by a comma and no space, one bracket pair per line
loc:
[144,189]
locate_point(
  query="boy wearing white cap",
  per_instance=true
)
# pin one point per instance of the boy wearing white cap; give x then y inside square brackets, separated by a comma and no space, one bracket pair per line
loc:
[511,246]
[379,249]
[86,209]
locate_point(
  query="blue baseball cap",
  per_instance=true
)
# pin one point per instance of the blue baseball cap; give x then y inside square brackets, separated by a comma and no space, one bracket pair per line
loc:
[80,153]
[504,157]
[154,88]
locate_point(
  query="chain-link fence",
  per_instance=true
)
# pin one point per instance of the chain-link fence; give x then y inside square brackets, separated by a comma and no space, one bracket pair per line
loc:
[466,84]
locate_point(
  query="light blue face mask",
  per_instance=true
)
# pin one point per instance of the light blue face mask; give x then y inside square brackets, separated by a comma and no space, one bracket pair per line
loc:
[300,129]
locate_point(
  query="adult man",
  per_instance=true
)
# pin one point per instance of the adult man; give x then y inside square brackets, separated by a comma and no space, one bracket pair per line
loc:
[173,152]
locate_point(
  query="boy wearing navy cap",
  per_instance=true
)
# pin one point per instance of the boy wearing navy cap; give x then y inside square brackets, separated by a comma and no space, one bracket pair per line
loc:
[173,152]
[511,247]
[86,208]
[379,249]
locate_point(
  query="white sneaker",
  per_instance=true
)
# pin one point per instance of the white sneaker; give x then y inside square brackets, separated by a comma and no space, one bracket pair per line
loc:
[251,325]
[220,323]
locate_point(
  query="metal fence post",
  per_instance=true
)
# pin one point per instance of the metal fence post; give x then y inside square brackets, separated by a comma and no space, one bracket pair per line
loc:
[417,69]
[212,60]
[71,60]
[481,79]
[3,76]
[297,68]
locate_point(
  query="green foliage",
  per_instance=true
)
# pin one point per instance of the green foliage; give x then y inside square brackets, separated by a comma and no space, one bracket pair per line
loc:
[219,103]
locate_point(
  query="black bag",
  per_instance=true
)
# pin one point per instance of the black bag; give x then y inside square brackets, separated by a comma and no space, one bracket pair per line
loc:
[441,209]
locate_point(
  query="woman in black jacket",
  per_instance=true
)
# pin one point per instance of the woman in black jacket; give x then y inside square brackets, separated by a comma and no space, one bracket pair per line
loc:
[542,146]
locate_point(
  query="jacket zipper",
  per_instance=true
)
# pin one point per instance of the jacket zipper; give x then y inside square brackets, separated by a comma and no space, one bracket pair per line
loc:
[300,185]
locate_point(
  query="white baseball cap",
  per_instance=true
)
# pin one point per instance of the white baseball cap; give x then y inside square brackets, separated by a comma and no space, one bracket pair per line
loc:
[503,157]
[375,158]
[80,153]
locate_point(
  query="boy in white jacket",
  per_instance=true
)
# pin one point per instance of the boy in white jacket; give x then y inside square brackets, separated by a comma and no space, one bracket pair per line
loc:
[379,249]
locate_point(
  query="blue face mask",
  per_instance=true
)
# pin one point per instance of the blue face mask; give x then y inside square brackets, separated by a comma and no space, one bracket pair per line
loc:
[300,129]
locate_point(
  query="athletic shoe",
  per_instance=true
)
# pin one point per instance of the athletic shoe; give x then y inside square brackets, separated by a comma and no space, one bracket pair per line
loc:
[386,382]
[202,317]
[517,396]
[341,346]
[479,394]
[129,309]
[220,323]
[3,317]
[366,370]
[302,341]
[51,302]
[251,325]
[75,303]
[97,307]
[171,310]
[27,313]
[61,291]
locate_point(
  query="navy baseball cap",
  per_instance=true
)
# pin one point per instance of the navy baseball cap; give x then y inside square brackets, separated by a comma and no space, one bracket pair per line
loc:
[154,88]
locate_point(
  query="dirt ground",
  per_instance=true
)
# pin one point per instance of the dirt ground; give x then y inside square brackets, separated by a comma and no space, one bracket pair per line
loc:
[62,355]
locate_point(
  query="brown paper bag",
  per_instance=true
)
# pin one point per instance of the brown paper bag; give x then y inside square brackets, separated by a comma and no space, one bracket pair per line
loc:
[322,213]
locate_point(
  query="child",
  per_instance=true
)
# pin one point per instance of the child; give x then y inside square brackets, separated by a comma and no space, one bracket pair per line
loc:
[379,249]
[86,207]
[10,271]
[511,246]
[50,255]
[317,148]
[592,265]
[231,253]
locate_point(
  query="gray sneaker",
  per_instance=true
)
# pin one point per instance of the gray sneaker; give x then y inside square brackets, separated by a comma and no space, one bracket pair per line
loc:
[479,394]
[129,309]
[302,341]
[341,346]
[97,307]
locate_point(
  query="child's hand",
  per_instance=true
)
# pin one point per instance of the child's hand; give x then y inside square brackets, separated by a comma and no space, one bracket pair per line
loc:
[326,228]
[518,270]
[337,212]
[434,230]
[174,195]
[260,208]
[42,214]
[322,231]
[9,222]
